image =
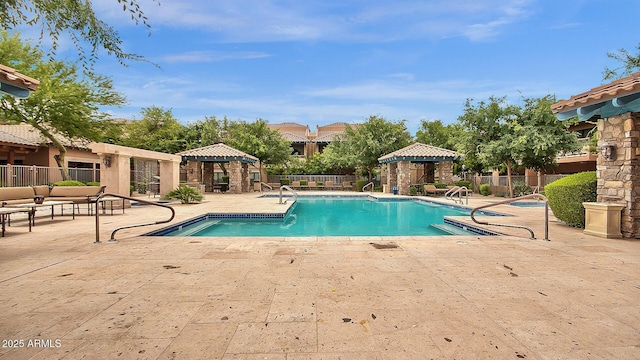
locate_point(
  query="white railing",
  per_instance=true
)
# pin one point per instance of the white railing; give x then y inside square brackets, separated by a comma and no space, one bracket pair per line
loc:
[368,184]
[285,187]
[457,190]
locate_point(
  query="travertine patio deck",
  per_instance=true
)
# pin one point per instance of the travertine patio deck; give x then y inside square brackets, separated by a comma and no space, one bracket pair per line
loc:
[576,297]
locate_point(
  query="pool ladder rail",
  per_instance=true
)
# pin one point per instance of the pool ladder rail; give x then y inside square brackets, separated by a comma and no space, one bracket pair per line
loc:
[369,184]
[265,185]
[113,234]
[286,187]
[457,190]
[530,196]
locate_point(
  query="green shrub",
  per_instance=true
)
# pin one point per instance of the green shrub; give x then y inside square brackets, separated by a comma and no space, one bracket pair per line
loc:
[93,183]
[521,189]
[485,189]
[69,183]
[464,183]
[413,191]
[566,196]
[360,184]
[440,185]
[284,181]
[185,194]
[304,182]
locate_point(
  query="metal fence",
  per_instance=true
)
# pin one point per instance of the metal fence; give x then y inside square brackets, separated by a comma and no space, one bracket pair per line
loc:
[498,183]
[337,179]
[23,175]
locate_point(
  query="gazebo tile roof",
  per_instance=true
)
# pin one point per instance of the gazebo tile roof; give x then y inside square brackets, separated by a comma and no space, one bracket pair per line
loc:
[420,152]
[217,152]
[621,87]
[11,76]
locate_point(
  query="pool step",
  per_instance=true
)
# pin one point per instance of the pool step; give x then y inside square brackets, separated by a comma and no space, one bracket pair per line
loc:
[190,230]
[452,229]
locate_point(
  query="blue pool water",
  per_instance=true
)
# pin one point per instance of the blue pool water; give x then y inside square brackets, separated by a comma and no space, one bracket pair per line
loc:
[332,217]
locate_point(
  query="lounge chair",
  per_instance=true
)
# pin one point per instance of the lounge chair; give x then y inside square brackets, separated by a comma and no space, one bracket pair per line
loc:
[312,185]
[296,185]
[329,185]
[432,189]
[346,185]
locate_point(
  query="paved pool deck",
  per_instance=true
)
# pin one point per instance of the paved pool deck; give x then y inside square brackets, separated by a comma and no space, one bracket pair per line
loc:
[450,297]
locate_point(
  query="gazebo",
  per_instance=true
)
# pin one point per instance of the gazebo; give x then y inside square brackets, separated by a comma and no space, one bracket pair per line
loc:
[238,165]
[616,108]
[399,165]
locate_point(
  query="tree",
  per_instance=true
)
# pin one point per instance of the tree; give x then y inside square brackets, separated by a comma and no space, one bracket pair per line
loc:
[64,104]
[77,19]
[501,134]
[630,64]
[487,139]
[435,133]
[158,131]
[205,132]
[367,142]
[258,140]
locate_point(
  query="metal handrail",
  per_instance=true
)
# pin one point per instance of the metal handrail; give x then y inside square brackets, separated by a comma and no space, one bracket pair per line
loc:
[265,185]
[113,234]
[530,196]
[372,185]
[457,190]
[295,194]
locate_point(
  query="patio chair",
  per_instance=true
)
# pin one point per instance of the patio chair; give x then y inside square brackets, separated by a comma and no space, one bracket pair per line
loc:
[329,185]
[433,190]
[296,185]
[312,185]
[346,185]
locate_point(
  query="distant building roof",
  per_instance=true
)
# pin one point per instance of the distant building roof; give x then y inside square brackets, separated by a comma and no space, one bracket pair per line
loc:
[294,138]
[217,153]
[25,134]
[419,152]
[16,84]
[618,97]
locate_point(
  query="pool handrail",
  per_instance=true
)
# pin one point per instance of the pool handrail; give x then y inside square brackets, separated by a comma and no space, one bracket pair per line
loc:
[286,187]
[530,196]
[265,185]
[370,183]
[113,234]
[457,190]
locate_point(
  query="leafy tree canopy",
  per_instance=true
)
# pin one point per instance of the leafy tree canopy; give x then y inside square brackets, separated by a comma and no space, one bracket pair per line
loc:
[158,131]
[75,19]
[630,63]
[65,102]
[435,133]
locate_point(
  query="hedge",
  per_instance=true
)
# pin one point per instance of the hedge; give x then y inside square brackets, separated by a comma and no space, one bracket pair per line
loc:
[566,196]
[69,183]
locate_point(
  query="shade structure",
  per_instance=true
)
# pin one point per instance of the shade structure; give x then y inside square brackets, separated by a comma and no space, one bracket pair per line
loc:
[217,153]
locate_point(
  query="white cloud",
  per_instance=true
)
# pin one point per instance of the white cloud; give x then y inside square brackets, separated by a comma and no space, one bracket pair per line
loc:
[211,56]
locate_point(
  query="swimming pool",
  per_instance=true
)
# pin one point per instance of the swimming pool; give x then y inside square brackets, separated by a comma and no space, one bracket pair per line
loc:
[331,216]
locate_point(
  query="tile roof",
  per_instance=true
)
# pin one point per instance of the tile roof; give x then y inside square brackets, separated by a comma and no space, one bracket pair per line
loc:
[293,137]
[327,136]
[217,153]
[11,76]
[621,87]
[419,152]
[25,134]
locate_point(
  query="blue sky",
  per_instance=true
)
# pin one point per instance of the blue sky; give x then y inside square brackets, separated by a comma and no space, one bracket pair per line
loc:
[318,62]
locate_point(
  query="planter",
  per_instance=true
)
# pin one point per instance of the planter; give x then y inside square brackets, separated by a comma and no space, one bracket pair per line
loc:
[602,219]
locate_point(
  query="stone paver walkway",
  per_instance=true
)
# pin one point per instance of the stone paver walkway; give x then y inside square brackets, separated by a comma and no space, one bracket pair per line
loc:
[506,297]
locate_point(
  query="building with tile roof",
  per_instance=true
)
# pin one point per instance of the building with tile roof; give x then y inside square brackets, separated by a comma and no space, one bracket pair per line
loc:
[305,142]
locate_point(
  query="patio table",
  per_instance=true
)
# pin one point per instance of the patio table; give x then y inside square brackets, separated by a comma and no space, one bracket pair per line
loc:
[6,211]
[33,206]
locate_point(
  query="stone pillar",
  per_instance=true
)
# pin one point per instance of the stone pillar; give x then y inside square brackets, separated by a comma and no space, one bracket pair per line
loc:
[619,178]
[445,172]
[115,174]
[246,183]
[194,175]
[404,177]
[169,176]
[235,177]
[392,176]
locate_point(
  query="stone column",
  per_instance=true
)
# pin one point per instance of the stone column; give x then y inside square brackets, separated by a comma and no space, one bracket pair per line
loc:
[619,178]
[404,177]
[445,172]
[392,176]
[246,183]
[235,177]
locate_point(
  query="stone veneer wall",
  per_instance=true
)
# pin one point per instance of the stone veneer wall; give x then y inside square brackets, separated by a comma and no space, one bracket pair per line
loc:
[445,172]
[404,177]
[619,179]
